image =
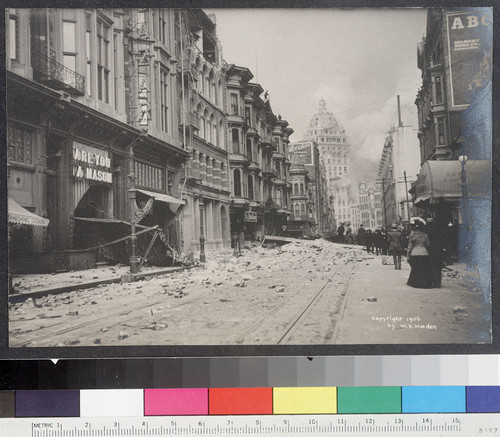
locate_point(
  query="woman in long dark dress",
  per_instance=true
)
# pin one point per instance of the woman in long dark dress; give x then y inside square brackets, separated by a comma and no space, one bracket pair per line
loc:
[418,257]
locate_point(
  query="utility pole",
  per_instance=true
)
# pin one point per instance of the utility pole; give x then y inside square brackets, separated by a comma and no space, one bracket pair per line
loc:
[400,122]
[383,198]
[407,200]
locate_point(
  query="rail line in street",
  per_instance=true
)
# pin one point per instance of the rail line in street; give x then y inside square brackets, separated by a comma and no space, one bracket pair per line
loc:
[296,320]
[109,315]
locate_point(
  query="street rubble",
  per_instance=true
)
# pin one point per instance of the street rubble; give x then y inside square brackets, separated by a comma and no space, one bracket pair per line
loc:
[227,300]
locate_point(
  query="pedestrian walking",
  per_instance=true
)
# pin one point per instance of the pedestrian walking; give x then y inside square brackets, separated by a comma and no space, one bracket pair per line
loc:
[436,250]
[418,256]
[378,241]
[340,233]
[395,242]
[349,239]
[369,241]
[360,237]
[385,244]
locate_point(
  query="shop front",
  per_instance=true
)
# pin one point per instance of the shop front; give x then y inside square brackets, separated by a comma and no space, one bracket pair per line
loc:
[457,195]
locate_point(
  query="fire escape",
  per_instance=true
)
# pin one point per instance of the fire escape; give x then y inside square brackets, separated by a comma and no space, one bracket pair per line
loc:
[139,78]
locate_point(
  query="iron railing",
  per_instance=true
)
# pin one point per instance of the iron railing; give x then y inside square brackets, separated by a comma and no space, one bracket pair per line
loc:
[55,75]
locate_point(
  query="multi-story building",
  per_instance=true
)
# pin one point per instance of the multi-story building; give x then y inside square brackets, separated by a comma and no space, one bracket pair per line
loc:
[202,118]
[258,147]
[370,207]
[455,58]
[311,203]
[398,169]
[333,145]
[90,113]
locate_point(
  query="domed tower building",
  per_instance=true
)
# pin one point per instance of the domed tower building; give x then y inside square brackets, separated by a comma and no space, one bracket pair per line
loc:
[333,145]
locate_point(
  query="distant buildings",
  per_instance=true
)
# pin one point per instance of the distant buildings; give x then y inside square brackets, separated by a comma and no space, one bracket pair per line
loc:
[310,199]
[370,208]
[333,145]
[398,169]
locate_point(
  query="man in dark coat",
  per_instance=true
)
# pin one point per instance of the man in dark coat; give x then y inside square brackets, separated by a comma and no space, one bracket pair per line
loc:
[340,233]
[361,235]
[395,240]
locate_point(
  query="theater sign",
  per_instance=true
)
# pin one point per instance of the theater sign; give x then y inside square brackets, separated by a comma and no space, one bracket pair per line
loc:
[470,39]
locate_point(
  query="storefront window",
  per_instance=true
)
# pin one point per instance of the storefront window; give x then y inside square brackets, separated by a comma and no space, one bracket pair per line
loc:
[149,176]
[19,144]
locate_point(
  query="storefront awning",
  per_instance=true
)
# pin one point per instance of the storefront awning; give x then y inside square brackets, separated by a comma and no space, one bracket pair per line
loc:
[443,180]
[21,216]
[172,202]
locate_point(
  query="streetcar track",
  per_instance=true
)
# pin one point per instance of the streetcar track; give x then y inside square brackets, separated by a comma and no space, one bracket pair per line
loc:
[90,322]
[296,322]
[241,338]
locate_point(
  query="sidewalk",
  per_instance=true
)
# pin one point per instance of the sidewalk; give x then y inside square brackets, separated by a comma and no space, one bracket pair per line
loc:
[382,309]
[38,285]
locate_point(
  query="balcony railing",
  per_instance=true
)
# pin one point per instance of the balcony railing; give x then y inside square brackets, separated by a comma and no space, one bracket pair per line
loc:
[55,75]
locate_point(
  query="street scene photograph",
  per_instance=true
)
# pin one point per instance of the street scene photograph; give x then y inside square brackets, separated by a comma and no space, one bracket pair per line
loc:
[246,177]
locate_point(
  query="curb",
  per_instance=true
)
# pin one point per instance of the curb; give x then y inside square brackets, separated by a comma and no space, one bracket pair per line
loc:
[15,298]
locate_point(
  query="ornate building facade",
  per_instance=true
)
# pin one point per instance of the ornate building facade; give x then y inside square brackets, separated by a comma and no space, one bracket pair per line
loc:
[202,129]
[92,135]
[257,142]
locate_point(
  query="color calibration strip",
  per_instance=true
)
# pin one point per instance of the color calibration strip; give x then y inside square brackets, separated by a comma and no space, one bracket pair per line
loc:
[249,401]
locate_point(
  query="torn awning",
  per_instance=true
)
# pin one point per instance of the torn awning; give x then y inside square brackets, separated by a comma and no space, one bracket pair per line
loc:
[172,202]
[443,180]
[21,216]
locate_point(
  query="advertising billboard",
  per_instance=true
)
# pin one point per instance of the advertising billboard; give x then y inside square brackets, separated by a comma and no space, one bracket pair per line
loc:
[470,38]
[301,153]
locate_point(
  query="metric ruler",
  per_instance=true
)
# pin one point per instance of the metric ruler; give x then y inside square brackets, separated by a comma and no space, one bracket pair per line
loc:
[468,424]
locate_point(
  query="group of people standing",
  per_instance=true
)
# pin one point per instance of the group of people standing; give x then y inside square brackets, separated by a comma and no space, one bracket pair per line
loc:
[423,245]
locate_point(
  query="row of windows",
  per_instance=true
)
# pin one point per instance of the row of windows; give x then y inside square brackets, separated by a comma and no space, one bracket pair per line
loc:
[208,85]
[256,191]
[211,128]
[298,188]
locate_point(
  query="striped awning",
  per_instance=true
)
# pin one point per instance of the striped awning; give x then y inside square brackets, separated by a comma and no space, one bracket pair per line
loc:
[21,216]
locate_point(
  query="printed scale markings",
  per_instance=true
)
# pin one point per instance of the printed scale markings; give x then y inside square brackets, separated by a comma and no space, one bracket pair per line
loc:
[288,426]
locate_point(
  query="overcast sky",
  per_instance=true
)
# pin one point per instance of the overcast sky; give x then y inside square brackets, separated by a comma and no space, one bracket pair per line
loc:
[358,60]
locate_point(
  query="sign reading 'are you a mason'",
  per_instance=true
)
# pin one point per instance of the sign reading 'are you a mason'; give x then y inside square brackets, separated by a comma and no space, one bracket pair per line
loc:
[470,40]
[91,163]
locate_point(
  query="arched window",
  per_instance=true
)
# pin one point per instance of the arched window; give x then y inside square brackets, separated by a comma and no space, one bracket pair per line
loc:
[278,198]
[202,122]
[237,182]
[206,90]
[204,78]
[220,136]
[249,148]
[219,98]
[211,86]
[250,188]
[297,209]
[302,188]
[213,123]
[302,209]
[296,188]
[236,140]
[208,126]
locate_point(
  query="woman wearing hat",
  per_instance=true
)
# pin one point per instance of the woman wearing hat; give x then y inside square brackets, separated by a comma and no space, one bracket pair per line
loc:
[418,256]
[395,242]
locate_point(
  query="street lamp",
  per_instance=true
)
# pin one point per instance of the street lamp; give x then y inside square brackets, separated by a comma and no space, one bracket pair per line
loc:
[202,230]
[134,259]
[465,209]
